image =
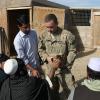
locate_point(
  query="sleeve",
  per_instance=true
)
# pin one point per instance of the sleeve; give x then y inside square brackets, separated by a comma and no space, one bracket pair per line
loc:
[71,48]
[42,48]
[20,51]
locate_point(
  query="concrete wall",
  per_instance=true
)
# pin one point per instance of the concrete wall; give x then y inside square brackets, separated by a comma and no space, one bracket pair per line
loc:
[83,33]
[18,3]
[3,14]
[86,36]
[2,3]
[4,33]
[3,18]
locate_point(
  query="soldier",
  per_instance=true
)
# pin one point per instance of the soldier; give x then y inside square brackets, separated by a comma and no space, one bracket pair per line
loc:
[57,51]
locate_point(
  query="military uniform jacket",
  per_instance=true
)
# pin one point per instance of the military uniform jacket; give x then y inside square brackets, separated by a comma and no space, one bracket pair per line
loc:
[61,42]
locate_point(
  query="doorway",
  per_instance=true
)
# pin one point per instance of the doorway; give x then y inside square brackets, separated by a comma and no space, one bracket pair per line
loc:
[12,16]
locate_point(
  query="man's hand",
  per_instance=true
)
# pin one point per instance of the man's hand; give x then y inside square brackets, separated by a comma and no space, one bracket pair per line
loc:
[55,63]
[35,73]
[1,65]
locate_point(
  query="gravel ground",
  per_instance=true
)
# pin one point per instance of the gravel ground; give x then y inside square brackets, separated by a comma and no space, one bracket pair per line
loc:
[80,64]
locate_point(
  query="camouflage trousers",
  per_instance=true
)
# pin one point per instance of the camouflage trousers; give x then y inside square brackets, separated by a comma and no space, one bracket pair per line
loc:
[62,83]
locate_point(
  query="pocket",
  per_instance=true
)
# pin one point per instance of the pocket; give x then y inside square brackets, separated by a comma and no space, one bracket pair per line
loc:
[48,44]
[60,47]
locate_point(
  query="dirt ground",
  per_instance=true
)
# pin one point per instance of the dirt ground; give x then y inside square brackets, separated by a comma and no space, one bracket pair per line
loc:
[80,64]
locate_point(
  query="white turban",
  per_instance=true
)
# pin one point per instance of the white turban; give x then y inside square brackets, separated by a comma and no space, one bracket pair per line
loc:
[94,64]
[10,66]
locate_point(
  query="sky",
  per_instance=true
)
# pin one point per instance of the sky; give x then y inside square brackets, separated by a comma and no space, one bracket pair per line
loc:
[79,3]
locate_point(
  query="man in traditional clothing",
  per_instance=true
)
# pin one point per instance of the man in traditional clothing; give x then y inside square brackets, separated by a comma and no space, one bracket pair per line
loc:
[19,86]
[89,89]
[3,76]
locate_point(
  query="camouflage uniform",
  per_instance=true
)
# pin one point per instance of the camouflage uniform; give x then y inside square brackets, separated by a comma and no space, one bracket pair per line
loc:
[62,43]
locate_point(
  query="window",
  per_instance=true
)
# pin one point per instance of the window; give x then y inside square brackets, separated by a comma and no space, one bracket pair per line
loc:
[81,17]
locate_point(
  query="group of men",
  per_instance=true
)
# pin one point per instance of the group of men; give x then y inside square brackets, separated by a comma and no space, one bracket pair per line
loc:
[16,84]
[49,56]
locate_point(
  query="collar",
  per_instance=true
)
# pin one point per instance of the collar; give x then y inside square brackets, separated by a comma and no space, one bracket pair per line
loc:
[92,84]
[22,34]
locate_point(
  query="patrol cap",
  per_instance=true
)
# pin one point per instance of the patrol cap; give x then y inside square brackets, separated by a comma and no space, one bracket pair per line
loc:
[10,66]
[94,64]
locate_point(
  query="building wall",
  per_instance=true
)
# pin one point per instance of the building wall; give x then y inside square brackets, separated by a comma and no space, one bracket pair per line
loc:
[3,14]
[2,3]
[39,14]
[3,18]
[86,35]
[78,21]
[4,31]
[18,3]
